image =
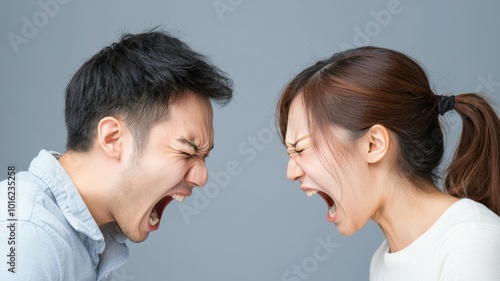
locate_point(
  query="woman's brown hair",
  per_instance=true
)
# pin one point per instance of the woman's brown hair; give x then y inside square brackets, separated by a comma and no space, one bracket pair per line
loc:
[362,87]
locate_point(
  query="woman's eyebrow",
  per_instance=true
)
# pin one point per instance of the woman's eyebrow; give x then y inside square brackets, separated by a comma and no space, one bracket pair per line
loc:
[294,144]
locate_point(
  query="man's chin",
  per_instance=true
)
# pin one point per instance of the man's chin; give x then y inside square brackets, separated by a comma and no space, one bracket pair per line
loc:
[138,239]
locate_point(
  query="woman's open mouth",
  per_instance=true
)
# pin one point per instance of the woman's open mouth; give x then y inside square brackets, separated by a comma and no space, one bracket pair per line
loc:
[332,208]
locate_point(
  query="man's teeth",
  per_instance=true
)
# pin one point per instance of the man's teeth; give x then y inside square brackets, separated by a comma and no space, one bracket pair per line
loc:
[178,197]
[332,210]
[153,218]
[311,192]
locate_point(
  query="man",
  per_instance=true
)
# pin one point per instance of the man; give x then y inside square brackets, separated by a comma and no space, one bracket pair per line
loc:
[139,124]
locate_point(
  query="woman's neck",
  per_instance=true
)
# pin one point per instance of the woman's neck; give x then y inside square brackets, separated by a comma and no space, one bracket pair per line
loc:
[407,212]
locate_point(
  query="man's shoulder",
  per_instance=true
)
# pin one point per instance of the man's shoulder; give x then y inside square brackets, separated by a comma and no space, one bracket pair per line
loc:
[47,244]
[32,203]
[29,196]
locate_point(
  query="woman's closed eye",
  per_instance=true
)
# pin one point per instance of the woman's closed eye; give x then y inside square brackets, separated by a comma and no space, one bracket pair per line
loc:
[293,151]
[299,150]
[298,146]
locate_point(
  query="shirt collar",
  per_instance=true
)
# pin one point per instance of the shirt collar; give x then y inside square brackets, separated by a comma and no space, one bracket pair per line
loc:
[106,245]
[48,169]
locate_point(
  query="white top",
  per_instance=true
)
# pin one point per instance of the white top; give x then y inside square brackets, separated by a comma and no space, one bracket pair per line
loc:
[463,244]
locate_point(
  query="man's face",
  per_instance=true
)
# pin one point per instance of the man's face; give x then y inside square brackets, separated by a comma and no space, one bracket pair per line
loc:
[170,165]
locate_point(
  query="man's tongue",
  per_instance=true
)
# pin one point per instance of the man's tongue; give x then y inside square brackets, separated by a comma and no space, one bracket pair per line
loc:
[156,213]
[155,216]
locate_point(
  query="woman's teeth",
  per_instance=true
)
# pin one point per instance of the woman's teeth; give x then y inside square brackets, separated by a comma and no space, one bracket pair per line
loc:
[311,192]
[332,210]
[178,197]
[153,218]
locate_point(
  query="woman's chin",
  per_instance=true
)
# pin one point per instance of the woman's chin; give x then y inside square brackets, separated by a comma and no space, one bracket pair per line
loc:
[345,230]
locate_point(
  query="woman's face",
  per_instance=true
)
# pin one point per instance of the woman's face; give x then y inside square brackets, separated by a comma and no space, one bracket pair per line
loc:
[341,176]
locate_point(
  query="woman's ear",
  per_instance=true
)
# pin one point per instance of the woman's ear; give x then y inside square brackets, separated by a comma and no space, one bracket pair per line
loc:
[377,143]
[110,133]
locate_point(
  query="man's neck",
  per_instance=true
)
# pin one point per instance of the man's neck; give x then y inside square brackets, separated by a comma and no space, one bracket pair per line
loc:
[90,178]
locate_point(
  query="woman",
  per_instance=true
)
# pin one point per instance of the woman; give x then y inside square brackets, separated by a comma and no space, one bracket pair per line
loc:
[362,130]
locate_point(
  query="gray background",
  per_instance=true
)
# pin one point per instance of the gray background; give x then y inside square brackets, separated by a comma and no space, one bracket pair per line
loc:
[258,225]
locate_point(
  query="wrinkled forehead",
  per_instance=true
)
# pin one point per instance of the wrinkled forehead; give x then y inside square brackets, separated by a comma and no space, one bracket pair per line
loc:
[193,115]
[297,125]
[193,105]
[301,125]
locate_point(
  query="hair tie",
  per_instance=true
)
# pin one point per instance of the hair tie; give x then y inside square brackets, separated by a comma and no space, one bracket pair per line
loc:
[445,104]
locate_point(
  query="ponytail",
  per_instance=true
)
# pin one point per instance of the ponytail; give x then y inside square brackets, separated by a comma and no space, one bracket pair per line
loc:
[475,169]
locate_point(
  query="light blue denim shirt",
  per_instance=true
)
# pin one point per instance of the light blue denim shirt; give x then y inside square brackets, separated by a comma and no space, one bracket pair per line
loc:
[56,237]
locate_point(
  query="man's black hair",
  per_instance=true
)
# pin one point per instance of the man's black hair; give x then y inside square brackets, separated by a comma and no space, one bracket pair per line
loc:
[137,79]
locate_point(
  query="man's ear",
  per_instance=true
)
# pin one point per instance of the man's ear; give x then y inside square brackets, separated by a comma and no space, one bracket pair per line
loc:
[110,132]
[377,141]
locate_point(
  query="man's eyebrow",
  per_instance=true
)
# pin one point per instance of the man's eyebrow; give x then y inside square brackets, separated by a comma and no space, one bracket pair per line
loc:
[294,144]
[194,146]
[185,141]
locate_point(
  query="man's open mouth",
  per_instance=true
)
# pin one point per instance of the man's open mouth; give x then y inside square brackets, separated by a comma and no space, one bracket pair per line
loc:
[157,212]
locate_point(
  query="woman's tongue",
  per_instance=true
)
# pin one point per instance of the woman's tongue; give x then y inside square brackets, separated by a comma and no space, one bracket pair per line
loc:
[332,210]
[329,202]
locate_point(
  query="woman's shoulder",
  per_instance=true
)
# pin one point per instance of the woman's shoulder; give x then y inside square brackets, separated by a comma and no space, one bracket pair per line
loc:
[471,244]
[467,211]
[467,221]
